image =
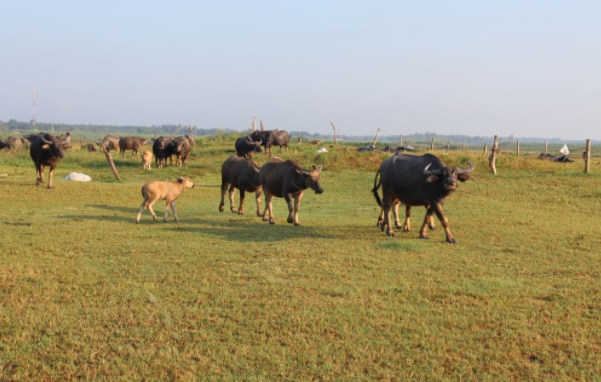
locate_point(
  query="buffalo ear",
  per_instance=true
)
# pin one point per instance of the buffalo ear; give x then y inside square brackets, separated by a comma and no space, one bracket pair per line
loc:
[432,178]
[46,146]
[464,177]
[180,180]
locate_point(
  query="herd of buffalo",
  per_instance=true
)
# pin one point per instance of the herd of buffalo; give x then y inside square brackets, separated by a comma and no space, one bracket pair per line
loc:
[408,179]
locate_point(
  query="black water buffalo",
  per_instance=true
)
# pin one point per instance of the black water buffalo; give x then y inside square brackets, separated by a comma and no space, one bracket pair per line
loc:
[417,181]
[180,147]
[162,149]
[131,143]
[3,144]
[288,180]
[246,147]
[110,142]
[46,150]
[243,174]
[269,138]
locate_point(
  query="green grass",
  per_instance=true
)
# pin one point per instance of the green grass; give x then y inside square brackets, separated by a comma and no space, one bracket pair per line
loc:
[88,294]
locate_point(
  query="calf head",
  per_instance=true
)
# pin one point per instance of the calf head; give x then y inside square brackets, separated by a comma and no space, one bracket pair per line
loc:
[448,176]
[311,178]
[186,182]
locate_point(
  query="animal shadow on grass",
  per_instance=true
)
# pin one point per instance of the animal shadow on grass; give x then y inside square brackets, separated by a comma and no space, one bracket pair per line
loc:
[253,230]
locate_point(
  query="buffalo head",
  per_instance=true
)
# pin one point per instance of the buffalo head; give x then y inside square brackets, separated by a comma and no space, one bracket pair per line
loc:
[448,175]
[312,178]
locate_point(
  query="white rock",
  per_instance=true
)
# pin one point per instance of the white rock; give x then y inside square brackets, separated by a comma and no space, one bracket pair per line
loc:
[78,177]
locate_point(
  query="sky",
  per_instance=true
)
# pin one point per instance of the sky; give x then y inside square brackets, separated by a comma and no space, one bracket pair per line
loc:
[478,68]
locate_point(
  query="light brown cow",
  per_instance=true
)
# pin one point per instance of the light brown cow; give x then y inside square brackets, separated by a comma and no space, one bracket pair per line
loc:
[157,190]
[146,160]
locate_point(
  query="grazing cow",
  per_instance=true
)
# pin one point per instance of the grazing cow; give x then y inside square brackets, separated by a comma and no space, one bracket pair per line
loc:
[180,147]
[243,174]
[288,180]
[162,149]
[246,147]
[417,181]
[269,138]
[146,160]
[26,143]
[15,144]
[131,143]
[110,142]
[46,150]
[169,191]
[91,147]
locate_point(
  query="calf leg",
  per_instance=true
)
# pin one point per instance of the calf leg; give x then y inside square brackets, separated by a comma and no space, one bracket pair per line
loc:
[174,209]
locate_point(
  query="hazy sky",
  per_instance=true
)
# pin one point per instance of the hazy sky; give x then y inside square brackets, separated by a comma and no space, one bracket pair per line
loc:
[522,68]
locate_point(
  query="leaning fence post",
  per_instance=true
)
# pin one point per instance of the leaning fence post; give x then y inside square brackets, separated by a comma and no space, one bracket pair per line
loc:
[587,156]
[493,156]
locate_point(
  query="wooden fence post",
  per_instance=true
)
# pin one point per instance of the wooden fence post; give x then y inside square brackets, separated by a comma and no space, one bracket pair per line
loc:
[334,128]
[485,150]
[262,127]
[448,147]
[376,138]
[109,159]
[518,148]
[401,141]
[587,156]
[546,146]
[493,156]
[254,125]
[463,148]
[432,144]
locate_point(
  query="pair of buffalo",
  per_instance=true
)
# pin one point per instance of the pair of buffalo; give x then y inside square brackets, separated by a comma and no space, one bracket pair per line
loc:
[276,177]
[247,146]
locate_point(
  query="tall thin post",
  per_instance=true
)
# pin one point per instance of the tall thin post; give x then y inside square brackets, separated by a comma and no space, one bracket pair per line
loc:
[518,148]
[587,156]
[546,146]
[432,144]
[334,128]
[376,138]
[401,141]
[493,156]
[448,146]
[262,127]
[485,150]
[254,126]
[463,148]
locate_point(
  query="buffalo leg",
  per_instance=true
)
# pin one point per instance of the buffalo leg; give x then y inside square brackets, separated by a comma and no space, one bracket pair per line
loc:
[258,200]
[51,175]
[40,175]
[445,223]
[387,206]
[242,196]
[224,185]
[291,202]
[268,214]
[297,201]
[232,192]
[407,224]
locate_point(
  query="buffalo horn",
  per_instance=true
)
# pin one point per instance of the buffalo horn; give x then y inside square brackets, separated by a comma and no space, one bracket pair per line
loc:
[45,140]
[464,170]
[433,172]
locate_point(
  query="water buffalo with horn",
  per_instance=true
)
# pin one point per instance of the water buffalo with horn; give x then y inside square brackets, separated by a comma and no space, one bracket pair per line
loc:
[270,138]
[243,174]
[246,147]
[288,180]
[131,143]
[417,181]
[46,150]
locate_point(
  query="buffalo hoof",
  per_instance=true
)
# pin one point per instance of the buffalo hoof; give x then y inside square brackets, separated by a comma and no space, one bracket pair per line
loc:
[272,222]
[290,221]
[49,187]
[137,222]
[425,237]
[240,212]
[221,207]
[390,233]
[405,229]
[297,224]
[451,240]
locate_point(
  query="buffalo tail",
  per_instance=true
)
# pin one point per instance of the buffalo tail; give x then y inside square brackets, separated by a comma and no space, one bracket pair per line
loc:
[375,189]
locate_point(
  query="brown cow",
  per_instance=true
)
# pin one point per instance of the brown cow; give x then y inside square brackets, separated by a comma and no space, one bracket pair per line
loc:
[131,143]
[153,191]
[243,174]
[288,180]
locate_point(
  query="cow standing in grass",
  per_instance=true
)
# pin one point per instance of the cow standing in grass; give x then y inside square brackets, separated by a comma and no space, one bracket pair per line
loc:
[288,180]
[169,191]
[243,174]
[45,150]
[417,181]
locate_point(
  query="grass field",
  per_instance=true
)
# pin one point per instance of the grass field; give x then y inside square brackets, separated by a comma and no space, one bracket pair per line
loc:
[88,294]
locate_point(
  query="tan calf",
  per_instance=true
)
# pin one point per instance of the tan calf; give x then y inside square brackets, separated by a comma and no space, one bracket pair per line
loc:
[153,191]
[146,159]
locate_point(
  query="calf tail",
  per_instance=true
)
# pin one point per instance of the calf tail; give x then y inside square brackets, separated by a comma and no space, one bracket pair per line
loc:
[375,189]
